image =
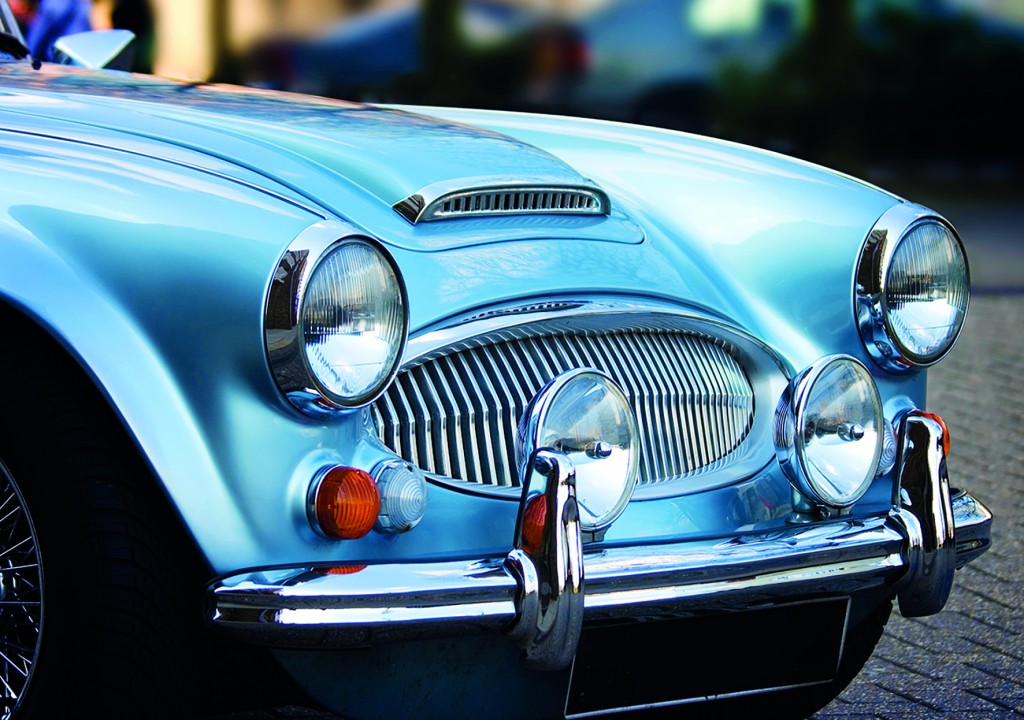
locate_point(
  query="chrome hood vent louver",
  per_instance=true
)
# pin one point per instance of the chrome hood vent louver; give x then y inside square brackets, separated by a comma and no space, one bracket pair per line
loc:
[445,202]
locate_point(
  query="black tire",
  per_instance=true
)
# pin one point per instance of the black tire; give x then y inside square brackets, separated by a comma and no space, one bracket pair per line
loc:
[116,596]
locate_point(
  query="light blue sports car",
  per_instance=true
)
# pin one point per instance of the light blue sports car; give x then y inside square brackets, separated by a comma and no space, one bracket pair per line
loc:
[456,413]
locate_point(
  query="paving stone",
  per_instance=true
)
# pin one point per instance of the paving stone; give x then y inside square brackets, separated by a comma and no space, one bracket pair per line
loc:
[968,661]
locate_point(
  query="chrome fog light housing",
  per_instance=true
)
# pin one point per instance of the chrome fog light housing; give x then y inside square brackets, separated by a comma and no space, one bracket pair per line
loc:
[829,431]
[586,417]
[913,288]
[336,321]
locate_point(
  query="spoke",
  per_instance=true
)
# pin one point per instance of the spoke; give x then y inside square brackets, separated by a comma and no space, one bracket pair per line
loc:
[10,691]
[21,611]
[11,528]
[22,584]
[16,645]
[16,546]
[14,510]
[10,663]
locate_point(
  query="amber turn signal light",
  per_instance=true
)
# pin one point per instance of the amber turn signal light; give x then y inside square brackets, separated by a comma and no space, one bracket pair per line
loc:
[533,523]
[344,503]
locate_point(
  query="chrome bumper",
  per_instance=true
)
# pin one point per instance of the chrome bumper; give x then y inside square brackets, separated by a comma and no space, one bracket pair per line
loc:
[541,600]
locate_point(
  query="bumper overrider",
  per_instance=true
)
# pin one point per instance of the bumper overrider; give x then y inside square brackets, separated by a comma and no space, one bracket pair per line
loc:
[540,595]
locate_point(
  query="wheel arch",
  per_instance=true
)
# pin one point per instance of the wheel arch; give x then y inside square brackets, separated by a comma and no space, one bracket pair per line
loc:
[21,328]
[91,602]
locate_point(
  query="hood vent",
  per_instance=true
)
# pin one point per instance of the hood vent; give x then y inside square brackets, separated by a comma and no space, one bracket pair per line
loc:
[513,199]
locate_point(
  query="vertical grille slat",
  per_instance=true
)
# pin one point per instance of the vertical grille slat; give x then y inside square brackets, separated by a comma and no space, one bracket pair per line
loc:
[692,402]
[408,430]
[457,415]
[449,445]
[470,455]
[648,416]
[667,400]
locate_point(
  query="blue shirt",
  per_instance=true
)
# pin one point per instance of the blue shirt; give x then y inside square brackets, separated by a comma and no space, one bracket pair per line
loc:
[55,19]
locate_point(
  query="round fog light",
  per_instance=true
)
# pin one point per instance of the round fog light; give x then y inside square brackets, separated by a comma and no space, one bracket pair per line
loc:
[585,416]
[829,431]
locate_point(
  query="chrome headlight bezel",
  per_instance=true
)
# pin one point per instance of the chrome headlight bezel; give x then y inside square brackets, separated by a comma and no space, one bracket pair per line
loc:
[792,447]
[284,336]
[873,284]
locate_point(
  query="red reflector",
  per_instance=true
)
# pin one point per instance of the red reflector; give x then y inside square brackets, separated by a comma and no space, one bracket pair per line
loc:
[942,424]
[339,570]
[346,503]
[533,523]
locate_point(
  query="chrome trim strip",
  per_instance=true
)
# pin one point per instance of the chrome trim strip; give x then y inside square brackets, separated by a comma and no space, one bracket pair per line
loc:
[499,196]
[303,606]
[870,303]
[300,606]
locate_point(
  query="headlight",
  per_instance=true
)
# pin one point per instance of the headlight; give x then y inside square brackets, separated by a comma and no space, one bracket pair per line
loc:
[336,322]
[585,416]
[913,288]
[829,431]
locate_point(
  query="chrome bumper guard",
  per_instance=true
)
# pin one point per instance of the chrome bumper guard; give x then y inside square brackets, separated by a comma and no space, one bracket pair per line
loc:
[539,599]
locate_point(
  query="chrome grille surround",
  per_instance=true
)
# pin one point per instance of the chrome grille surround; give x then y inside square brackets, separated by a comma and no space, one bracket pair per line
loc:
[704,393]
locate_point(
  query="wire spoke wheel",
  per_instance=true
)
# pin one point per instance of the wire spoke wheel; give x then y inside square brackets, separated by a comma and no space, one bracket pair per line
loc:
[21,595]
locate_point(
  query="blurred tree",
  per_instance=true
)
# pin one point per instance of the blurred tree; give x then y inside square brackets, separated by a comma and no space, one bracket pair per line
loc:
[828,61]
[226,64]
[897,87]
[442,82]
[460,71]
[137,16]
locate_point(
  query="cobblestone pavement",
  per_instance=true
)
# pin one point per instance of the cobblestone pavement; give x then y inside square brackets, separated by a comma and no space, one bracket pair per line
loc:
[968,661]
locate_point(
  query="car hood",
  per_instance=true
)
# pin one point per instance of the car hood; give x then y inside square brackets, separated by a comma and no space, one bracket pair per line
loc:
[324,150]
[762,240]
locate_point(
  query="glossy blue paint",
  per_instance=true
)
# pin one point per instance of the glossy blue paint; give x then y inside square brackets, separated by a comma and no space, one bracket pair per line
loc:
[165,208]
[144,221]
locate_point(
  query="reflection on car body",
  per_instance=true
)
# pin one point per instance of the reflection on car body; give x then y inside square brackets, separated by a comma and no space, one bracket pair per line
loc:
[457,412]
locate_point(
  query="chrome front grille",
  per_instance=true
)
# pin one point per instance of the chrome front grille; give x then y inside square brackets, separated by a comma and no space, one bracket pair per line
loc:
[455,413]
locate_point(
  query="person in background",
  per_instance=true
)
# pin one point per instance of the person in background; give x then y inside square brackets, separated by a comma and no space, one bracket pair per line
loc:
[54,19]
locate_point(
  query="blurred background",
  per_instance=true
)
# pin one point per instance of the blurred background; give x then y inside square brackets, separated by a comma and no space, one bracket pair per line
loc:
[899,92]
